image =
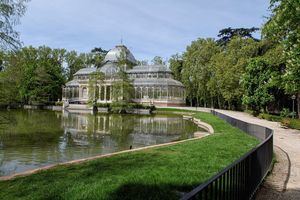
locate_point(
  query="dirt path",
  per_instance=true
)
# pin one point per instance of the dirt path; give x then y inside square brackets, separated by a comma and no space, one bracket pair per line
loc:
[284,181]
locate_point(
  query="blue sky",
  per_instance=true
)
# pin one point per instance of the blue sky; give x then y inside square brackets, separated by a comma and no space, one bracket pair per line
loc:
[148,27]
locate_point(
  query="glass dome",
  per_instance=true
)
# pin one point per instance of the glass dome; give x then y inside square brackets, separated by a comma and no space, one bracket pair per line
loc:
[114,54]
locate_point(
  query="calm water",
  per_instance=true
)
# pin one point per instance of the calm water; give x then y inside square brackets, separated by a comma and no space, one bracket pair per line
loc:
[31,139]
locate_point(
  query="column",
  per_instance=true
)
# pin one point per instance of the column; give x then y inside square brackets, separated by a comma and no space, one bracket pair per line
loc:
[147,89]
[160,97]
[153,88]
[167,92]
[105,93]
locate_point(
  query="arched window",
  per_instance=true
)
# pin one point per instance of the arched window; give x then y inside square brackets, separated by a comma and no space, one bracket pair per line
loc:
[84,93]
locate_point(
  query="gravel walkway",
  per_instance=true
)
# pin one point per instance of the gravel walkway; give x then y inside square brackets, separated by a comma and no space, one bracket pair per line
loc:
[284,181]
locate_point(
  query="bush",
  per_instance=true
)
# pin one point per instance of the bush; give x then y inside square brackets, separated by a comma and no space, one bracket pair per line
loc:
[119,107]
[141,106]
[59,103]
[103,105]
[295,124]
[286,113]
[291,123]
[270,117]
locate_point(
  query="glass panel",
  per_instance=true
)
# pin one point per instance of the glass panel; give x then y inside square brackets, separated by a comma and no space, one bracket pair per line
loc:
[97,92]
[164,93]
[102,93]
[150,92]
[145,93]
[108,93]
[76,92]
[84,93]
[156,92]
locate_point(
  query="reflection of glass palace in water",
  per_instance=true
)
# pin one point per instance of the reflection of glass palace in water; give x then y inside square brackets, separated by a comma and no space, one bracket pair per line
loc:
[153,84]
[136,131]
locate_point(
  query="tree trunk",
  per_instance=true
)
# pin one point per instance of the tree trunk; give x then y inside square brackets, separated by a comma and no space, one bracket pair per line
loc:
[219,103]
[298,105]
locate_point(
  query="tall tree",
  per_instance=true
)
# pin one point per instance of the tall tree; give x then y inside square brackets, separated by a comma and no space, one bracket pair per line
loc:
[283,26]
[98,55]
[122,88]
[142,62]
[229,66]
[196,69]
[157,60]
[10,13]
[96,80]
[258,82]
[74,63]
[229,33]
[33,75]
[176,66]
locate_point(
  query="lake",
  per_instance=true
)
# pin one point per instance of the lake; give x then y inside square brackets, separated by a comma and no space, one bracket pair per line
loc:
[31,138]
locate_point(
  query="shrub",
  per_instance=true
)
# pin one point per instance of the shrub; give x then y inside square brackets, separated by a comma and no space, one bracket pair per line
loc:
[286,122]
[59,103]
[103,105]
[119,107]
[291,123]
[295,124]
[270,117]
[141,106]
[285,112]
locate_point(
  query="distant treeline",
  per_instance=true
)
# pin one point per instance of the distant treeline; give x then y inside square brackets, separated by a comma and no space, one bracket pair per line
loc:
[35,75]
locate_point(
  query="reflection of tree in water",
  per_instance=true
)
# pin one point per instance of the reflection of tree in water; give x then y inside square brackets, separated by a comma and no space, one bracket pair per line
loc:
[38,137]
[31,126]
[120,127]
[6,118]
[121,131]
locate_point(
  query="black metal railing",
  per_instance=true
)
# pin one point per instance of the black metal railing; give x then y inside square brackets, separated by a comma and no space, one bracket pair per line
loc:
[241,179]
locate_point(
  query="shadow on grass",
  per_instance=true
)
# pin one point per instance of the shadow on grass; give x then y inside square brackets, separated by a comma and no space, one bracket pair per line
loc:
[139,191]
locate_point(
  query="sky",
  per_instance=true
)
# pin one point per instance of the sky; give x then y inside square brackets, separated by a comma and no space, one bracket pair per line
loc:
[147,27]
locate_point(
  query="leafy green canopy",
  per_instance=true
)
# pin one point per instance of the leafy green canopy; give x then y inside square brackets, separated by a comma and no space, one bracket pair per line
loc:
[284,26]
[229,33]
[257,82]
[32,75]
[122,87]
[96,80]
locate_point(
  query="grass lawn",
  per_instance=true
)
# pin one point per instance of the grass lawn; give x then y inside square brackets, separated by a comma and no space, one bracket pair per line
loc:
[157,173]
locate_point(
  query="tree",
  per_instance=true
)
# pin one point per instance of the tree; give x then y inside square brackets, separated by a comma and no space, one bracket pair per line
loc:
[96,79]
[142,62]
[157,60]
[229,66]
[227,34]
[33,76]
[176,66]
[97,56]
[10,13]
[196,72]
[257,83]
[74,62]
[122,88]
[283,26]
